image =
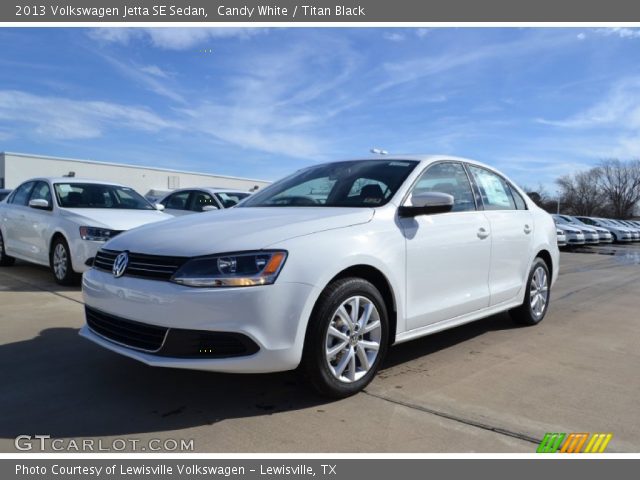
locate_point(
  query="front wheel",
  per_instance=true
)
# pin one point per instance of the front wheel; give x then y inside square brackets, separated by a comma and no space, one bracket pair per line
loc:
[347,338]
[536,298]
[5,260]
[61,263]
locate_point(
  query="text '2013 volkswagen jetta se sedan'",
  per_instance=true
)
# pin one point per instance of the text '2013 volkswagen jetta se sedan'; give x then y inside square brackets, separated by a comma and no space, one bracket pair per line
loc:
[325,269]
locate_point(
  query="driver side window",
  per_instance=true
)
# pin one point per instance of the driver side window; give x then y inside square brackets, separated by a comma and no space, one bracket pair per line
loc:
[451,178]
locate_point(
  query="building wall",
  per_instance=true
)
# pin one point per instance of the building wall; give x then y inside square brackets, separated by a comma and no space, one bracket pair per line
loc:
[19,167]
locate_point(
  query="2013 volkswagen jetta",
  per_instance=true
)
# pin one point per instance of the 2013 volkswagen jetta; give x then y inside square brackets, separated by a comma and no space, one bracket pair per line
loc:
[325,269]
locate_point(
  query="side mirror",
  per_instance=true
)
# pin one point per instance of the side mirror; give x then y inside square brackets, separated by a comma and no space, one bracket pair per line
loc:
[209,208]
[39,203]
[427,203]
[159,207]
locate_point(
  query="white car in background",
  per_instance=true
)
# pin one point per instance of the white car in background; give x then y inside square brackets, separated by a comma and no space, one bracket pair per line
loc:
[635,231]
[620,234]
[63,222]
[561,237]
[591,235]
[573,235]
[326,268]
[604,234]
[195,200]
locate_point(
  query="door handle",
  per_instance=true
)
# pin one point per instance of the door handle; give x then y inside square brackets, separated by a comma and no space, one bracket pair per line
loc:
[482,233]
[527,229]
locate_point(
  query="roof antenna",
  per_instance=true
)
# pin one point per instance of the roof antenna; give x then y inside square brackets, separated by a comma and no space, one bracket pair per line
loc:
[379,151]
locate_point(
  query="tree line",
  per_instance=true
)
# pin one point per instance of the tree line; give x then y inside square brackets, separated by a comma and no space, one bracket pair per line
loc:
[610,189]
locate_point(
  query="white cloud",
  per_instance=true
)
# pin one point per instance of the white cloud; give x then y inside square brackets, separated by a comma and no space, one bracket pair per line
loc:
[581,36]
[151,77]
[172,38]
[394,36]
[620,108]
[62,118]
[423,32]
[621,32]
[154,70]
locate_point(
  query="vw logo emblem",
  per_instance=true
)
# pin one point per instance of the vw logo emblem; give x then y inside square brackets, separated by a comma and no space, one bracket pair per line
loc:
[120,264]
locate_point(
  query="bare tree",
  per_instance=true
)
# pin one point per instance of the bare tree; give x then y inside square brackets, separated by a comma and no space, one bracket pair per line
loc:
[620,184]
[580,193]
[541,198]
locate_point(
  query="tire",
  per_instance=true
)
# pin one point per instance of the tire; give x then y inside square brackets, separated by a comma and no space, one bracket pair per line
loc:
[5,260]
[532,311]
[342,361]
[60,262]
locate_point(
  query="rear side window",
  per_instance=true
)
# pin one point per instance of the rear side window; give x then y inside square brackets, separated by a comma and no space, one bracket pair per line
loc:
[448,177]
[495,192]
[21,195]
[520,203]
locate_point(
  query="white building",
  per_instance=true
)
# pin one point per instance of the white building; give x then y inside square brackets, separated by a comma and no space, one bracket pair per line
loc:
[15,168]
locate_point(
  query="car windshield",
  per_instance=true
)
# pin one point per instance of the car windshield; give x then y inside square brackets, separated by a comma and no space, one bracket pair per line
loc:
[97,195]
[364,183]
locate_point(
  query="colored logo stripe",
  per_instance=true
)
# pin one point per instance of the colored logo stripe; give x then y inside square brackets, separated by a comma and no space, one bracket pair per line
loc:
[598,442]
[573,443]
[550,443]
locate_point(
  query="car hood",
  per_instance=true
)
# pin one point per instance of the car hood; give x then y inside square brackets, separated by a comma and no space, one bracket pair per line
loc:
[601,229]
[235,229]
[568,228]
[585,229]
[113,218]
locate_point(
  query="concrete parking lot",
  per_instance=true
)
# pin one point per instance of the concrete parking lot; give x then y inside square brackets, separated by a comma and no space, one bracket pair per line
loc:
[484,387]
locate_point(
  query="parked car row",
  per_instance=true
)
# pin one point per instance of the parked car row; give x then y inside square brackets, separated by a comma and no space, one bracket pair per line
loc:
[592,231]
[63,222]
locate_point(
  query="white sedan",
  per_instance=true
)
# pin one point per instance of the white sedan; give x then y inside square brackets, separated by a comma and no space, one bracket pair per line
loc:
[203,199]
[325,269]
[63,222]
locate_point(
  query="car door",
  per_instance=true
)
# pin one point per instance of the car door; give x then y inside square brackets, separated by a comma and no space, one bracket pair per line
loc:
[38,224]
[177,203]
[511,231]
[14,223]
[447,254]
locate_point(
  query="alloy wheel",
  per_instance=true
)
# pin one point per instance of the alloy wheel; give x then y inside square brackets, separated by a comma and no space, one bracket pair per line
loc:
[539,291]
[60,261]
[353,339]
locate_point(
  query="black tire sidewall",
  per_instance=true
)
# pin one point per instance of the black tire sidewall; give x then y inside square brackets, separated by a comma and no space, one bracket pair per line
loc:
[314,352]
[5,260]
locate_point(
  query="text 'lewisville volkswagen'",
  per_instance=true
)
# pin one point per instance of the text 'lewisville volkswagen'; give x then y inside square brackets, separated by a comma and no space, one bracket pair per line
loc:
[325,269]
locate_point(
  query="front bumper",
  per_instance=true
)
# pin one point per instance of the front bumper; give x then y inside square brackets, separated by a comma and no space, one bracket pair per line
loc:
[81,252]
[274,317]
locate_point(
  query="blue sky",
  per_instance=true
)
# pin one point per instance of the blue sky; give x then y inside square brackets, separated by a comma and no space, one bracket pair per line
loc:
[536,103]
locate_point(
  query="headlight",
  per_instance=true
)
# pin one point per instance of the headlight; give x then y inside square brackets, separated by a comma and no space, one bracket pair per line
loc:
[97,234]
[243,269]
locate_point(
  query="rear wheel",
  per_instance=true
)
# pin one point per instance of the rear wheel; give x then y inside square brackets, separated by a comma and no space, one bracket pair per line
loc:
[61,263]
[347,338]
[536,298]
[5,260]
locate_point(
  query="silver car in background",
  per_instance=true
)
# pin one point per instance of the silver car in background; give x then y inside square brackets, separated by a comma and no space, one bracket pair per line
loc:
[620,234]
[573,235]
[561,238]
[186,201]
[604,235]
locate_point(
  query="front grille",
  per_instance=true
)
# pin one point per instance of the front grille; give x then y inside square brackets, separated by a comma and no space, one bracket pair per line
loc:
[169,342]
[140,265]
[126,332]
